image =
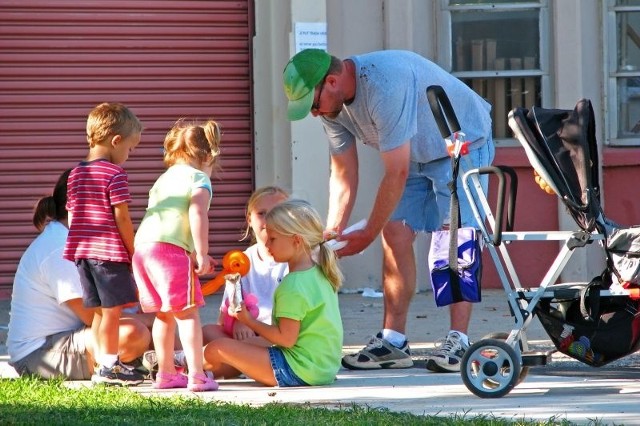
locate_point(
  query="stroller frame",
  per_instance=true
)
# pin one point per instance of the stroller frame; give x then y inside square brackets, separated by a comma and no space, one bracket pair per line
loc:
[480,372]
[494,365]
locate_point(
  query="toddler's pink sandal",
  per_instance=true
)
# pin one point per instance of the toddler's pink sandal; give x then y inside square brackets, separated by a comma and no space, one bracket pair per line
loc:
[170,381]
[201,383]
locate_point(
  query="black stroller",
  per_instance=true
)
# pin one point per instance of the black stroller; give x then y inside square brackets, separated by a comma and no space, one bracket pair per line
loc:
[594,322]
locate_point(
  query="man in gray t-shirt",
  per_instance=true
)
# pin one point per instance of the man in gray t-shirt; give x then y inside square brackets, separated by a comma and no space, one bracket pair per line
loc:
[380,99]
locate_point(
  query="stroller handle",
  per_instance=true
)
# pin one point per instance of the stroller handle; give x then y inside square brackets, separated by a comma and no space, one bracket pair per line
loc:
[442,111]
[499,172]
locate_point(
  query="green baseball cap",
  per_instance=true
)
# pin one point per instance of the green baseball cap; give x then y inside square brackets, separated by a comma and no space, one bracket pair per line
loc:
[300,77]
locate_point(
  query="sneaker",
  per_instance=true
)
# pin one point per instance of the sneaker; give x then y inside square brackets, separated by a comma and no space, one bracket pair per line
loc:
[201,383]
[150,362]
[118,375]
[447,357]
[170,381]
[378,354]
[136,365]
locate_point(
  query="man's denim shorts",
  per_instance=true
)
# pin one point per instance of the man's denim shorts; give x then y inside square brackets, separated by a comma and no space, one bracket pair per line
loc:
[283,373]
[425,202]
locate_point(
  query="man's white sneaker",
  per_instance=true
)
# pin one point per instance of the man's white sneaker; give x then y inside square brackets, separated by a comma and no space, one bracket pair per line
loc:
[378,354]
[448,356]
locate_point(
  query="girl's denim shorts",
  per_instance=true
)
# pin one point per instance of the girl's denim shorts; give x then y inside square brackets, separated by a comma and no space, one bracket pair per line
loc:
[283,373]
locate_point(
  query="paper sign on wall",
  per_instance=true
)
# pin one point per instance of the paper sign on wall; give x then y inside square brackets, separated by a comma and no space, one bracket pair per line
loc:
[310,35]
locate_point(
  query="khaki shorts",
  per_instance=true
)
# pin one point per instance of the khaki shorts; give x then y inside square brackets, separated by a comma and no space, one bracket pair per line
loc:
[63,354]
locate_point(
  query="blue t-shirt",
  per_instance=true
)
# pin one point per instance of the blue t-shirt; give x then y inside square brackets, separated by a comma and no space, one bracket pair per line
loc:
[391,107]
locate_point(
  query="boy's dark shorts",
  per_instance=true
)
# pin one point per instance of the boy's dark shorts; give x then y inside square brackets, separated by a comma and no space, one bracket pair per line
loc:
[106,284]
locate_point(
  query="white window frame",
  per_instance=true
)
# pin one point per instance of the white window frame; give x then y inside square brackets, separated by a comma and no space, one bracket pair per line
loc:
[445,54]
[611,75]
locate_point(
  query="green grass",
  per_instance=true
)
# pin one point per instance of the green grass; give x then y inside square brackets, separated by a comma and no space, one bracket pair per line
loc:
[32,401]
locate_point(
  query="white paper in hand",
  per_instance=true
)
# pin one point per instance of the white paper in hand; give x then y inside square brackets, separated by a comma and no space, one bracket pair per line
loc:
[337,245]
[234,289]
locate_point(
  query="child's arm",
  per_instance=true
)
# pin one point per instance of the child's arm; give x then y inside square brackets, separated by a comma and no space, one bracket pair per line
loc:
[199,223]
[125,226]
[84,314]
[284,334]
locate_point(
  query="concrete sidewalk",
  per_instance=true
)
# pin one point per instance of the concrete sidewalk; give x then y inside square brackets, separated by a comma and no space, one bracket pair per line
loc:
[362,317]
[564,389]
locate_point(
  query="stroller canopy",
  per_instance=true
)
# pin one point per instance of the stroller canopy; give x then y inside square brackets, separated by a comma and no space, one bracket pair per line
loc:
[562,147]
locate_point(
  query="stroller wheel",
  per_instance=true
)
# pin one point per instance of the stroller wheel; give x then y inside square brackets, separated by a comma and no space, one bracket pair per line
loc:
[490,368]
[500,335]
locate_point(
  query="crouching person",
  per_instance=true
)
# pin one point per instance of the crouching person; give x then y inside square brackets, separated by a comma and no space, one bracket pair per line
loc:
[50,329]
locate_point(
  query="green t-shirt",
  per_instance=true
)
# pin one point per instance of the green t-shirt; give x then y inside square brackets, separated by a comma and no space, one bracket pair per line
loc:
[167,216]
[307,296]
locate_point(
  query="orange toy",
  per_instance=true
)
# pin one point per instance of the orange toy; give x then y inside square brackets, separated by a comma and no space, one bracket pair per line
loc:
[543,184]
[233,262]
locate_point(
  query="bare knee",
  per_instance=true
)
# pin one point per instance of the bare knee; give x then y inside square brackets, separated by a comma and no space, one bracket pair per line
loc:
[187,314]
[165,316]
[398,255]
[397,234]
[211,332]
[134,340]
[214,351]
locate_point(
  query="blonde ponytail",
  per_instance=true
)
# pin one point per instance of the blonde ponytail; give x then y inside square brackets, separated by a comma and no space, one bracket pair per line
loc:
[298,217]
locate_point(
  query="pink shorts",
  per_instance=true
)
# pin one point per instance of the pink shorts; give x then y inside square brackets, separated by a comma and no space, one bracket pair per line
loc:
[165,278]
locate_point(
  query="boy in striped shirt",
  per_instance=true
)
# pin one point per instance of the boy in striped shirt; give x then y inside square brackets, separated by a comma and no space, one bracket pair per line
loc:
[100,239]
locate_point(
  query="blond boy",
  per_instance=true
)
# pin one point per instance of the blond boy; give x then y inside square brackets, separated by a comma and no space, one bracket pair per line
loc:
[100,240]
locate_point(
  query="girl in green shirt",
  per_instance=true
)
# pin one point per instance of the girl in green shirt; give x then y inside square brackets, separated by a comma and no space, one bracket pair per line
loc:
[306,334]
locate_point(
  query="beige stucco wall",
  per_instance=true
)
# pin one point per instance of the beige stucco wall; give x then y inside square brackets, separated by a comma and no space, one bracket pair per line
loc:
[295,155]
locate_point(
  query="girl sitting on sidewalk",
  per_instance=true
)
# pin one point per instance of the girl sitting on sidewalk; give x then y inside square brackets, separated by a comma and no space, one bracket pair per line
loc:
[306,333]
[262,280]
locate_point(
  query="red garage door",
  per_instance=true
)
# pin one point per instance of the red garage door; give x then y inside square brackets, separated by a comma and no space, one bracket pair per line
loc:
[163,59]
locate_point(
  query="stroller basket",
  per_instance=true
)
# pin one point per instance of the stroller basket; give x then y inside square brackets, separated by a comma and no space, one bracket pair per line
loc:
[597,339]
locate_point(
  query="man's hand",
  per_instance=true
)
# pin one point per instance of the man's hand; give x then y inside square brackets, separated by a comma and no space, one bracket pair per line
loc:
[357,241]
[396,166]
